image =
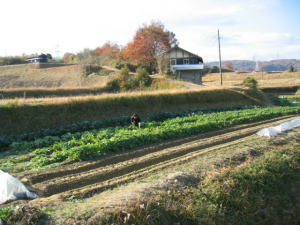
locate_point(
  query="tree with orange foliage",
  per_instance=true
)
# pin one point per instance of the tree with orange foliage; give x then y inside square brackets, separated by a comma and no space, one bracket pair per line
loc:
[69,58]
[148,42]
[108,50]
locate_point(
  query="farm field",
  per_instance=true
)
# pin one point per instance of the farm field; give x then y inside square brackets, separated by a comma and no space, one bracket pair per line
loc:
[88,165]
[68,189]
[95,143]
[265,80]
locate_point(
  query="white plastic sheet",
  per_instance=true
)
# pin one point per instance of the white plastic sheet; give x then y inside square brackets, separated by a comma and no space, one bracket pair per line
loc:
[276,130]
[11,189]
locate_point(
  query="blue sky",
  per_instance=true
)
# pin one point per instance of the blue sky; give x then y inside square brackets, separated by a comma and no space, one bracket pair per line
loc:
[250,29]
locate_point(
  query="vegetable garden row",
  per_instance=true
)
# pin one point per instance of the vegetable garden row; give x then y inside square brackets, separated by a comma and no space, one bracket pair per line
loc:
[90,144]
[82,126]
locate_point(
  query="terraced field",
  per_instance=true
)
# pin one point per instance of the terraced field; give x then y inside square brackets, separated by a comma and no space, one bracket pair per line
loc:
[84,179]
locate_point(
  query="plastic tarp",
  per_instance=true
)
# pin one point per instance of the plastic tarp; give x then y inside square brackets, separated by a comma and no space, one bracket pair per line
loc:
[276,130]
[11,189]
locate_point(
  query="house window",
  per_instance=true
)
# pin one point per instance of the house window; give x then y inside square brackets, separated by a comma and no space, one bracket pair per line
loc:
[173,61]
[186,61]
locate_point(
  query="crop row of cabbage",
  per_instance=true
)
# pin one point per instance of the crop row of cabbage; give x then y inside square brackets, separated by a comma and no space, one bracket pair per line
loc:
[78,128]
[47,137]
[96,143]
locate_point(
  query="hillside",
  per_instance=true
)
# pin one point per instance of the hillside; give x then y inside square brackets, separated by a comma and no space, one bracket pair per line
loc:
[27,76]
[267,66]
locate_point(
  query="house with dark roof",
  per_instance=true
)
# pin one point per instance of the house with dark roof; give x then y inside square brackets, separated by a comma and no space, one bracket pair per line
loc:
[43,58]
[184,64]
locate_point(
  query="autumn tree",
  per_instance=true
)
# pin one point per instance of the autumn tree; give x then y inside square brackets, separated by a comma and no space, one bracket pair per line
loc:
[149,42]
[108,50]
[69,58]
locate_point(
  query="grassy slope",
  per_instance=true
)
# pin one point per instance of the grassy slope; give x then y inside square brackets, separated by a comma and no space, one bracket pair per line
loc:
[15,119]
[24,76]
[31,94]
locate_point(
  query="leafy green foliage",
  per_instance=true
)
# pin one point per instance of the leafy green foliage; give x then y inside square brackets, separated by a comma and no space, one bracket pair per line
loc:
[4,212]
[294,100]
[281,101]
[46,137]
[62,132]
[95,143]
[250,83]
[120,64]
[89,69]
[12,60]
[126,81]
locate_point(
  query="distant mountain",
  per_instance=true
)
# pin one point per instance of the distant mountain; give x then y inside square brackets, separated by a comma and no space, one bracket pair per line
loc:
[267,66]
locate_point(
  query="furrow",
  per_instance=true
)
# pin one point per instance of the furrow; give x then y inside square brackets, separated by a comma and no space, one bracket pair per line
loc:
[102,174]
[90,190]
[76,168]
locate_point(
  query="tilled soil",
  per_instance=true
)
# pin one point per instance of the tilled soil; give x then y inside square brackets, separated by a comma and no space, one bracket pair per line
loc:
[85,179]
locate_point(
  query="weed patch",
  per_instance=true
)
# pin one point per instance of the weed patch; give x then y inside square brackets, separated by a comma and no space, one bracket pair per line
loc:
[264,191]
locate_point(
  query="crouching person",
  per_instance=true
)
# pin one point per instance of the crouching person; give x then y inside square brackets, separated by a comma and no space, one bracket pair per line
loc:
[135,120]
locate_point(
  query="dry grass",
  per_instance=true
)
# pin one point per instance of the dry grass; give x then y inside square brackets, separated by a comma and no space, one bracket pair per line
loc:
[24,93]
[101,96]
[24,115]
[264,79]
[24,76]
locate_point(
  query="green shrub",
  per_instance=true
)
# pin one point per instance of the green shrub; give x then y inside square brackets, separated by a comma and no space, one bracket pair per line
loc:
[124,64]
[12,60]
[250,83]
[292,68]
[113,85]
[4,212]
[143,78]
[214,69]
[126,81]
[89,69]
[140,80]
[281,101]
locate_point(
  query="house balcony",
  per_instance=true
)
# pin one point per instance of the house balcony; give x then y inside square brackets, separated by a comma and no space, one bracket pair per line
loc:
[187,67]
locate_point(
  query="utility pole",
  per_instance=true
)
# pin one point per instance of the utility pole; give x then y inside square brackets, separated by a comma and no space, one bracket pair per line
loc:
[220,61]
[57,51]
